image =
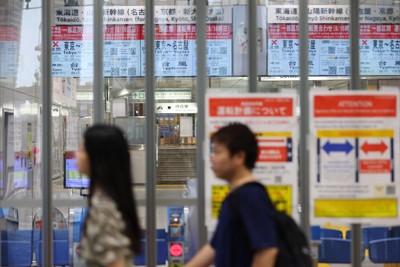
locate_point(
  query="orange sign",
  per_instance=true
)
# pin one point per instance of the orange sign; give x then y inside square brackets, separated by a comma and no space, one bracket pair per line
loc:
[251,107]
[272,154]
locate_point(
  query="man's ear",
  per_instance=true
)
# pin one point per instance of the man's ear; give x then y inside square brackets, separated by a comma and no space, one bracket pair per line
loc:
[240,157]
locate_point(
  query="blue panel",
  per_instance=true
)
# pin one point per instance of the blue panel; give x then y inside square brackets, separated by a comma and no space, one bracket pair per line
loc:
[371,233]
[60,253]
[16,253]
[334,250]
[331,233]
[315,232]
[162,249]
[385,250]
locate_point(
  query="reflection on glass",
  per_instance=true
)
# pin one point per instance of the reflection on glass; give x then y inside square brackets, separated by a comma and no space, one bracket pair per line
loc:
[72,177]
[10,40]
[240,40]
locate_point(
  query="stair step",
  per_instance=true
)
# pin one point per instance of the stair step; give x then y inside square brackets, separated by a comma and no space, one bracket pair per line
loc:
[176,164]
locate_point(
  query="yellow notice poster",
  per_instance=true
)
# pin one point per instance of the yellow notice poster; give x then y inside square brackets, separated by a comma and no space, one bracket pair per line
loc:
[219,192]
[280,195]
[356,208]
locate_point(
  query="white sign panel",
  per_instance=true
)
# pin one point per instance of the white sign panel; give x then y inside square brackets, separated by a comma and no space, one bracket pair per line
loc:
[176,108]
[165,95]
[272,118]
[354,159]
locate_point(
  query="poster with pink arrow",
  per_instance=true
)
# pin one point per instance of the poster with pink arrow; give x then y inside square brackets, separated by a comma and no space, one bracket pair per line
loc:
[354,155]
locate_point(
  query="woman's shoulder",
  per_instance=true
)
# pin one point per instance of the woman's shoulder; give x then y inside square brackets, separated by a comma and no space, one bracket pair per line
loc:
[102,205]
[104,216]
[102,199]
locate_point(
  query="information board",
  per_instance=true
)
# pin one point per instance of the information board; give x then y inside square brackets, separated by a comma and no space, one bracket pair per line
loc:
[124,45]
[273,120]
[72,51]
[329,45]
[354,159]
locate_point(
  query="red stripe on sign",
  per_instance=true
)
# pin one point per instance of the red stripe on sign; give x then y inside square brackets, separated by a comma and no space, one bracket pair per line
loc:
[270,141]
[173,32]
[375,166]
[272,154]
[111,32]
[355,106]
[219,31]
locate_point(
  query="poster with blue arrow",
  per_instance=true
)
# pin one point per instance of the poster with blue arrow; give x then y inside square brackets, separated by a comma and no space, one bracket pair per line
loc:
[354,156]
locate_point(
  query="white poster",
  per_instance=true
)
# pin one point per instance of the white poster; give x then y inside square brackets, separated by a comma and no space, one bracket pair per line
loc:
[354,156]
[272,118]
[186,126]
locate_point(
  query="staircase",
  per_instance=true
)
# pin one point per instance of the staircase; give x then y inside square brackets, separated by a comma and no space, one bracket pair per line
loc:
[176,164]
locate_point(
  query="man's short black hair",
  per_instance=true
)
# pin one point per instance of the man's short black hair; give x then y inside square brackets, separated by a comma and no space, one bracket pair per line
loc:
[238,137]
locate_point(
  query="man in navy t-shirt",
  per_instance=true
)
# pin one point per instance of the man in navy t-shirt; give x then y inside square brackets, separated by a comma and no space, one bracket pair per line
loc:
[245,234]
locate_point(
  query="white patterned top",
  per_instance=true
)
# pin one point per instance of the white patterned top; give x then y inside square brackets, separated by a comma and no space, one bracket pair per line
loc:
[104,241]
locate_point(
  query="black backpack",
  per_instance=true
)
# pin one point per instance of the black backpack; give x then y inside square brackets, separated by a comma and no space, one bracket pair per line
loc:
[293,247]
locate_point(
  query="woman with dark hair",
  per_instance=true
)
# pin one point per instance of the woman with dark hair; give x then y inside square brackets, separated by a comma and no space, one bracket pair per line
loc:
[111,234]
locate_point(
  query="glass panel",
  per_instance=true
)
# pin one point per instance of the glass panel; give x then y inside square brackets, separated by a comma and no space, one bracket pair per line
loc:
[176,102]
[20,157]
[378,70]
[72,75]
[176,115]
[278,61]
[124,79]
